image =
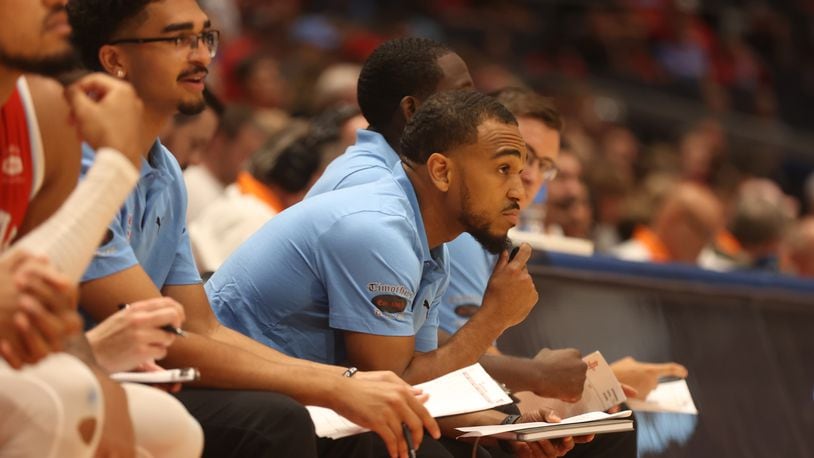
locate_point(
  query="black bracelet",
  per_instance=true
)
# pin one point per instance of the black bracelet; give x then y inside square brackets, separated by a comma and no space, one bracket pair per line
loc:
[510,420]
[350,372]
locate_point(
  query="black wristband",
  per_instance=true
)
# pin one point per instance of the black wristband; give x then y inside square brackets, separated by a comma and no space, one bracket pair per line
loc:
[510,420]
[350,372]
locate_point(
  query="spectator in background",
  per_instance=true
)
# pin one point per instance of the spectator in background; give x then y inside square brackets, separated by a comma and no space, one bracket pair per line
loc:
[620,149]
[686,222]
[570,214]
[278,176]
[341,122]
[262,82]
[610,192]
[759,219]
[237,137]
[568,206]
[188,136]
[797,250]
[336,85]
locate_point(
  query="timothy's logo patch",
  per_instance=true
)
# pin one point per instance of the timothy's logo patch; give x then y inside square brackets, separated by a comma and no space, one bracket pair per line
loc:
[389,303]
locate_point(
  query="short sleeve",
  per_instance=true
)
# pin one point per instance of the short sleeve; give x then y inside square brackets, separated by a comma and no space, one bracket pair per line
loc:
[114,253]
[371,272]
[184,270]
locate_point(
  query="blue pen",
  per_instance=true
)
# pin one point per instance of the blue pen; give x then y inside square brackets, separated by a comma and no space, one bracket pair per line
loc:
[409,438]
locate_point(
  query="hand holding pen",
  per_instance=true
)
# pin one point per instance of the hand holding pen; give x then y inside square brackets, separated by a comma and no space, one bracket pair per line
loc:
[137,333]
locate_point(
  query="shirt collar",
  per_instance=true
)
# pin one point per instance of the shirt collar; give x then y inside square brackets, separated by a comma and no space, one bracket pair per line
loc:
[157,163]
[378,144]
[401,177]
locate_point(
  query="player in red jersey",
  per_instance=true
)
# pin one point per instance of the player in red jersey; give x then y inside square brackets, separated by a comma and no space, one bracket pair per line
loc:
[56,404]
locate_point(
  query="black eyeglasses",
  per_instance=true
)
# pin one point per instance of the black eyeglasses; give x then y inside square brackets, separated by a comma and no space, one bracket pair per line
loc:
[545,166]
[210,39]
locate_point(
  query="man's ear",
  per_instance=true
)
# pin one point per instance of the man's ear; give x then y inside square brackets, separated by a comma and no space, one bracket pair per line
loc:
[439,169]
[113,61]
[408,106]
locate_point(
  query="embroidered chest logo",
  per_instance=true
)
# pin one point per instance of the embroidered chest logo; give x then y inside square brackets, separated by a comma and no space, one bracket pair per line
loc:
[391,298]
[13,164]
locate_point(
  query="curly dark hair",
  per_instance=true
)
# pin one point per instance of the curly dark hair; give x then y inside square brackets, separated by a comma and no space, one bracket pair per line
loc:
[94,23]
[447,120]
[396,69]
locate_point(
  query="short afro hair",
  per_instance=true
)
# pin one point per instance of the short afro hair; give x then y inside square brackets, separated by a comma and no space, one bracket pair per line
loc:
[396,69]
[527,103]
[95,22]
[448,120]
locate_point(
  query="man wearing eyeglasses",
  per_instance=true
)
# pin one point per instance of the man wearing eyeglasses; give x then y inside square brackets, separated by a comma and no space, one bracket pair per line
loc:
[552,373]
[164,49]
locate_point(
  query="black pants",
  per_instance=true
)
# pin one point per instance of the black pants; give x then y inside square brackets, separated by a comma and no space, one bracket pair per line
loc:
[262,424]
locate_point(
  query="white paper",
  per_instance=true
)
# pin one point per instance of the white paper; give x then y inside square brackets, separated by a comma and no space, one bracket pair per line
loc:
[466,390]
[478,431]
[671,396]
[602,390]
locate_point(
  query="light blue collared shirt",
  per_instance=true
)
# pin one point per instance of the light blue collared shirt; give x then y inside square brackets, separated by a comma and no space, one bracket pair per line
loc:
[370,159]
[352,260]
[150,228]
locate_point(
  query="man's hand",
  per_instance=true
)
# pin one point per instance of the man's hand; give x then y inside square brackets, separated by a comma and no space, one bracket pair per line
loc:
[382,402]
[37,309]
[545,448]
[510,294]
[108,113]
[133,336]
[561,374]
[644,377]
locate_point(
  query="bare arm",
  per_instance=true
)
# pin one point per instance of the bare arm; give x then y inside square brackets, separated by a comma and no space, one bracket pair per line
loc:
[508,299]
[226,359]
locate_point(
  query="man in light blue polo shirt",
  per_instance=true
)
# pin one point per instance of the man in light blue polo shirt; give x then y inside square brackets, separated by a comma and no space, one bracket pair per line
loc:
[394,81]
[354,276]
[356,260]
[147,230]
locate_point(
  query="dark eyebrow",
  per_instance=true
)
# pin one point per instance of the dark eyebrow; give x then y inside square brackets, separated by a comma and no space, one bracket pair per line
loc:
[179,26]
[507,152]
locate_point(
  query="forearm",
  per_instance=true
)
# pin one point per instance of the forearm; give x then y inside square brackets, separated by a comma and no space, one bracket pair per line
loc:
[464,348]
[518,374]
[233,338]
[233,367]
[70,237]
[79,346]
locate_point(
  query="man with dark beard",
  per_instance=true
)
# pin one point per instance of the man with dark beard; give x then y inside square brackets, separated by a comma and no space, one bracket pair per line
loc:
[355,276]
[242,400]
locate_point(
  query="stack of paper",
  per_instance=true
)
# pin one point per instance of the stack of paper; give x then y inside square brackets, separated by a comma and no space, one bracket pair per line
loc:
[466,390]
[580,425]
[671,396]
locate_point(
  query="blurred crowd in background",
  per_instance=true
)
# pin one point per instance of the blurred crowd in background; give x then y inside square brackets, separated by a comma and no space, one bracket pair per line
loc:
[686,132]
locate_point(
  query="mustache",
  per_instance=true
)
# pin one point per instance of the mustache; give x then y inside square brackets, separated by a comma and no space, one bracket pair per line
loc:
[193,71]
[512,206]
